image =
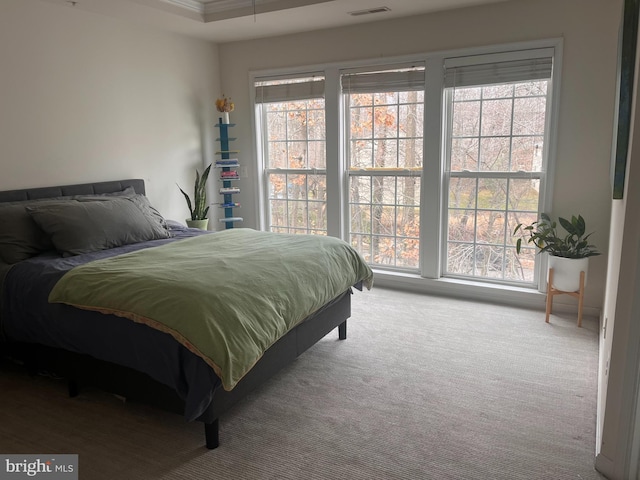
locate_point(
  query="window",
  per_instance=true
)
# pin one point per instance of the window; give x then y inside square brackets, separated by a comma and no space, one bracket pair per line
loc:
[294,154]
[384,117]
[495,164]
[425,165]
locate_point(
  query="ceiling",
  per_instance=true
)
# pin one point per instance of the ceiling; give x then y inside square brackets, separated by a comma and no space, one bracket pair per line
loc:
[232,20]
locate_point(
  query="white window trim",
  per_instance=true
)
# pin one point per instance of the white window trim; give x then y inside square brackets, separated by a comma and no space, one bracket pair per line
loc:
[433,155]
[541,175]
[262,180]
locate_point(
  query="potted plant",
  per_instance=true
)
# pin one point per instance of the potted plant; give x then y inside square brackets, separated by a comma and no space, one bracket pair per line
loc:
[568,254]
[199,208]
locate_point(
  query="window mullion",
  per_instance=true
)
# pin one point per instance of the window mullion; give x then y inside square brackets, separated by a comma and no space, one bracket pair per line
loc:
[287,204]
[431,235]
[508,190]
[263,155]
[489,174]
[337,204]
[296,171]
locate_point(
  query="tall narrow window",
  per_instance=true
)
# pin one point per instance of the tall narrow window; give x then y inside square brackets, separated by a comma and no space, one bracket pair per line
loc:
[425,164]
[497,143]
[291,116]
[384,122]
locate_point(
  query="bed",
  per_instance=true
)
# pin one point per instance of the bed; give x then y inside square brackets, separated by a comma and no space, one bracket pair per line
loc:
[67,251]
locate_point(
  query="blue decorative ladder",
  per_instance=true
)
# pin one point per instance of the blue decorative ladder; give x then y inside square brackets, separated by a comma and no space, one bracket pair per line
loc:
[227,165]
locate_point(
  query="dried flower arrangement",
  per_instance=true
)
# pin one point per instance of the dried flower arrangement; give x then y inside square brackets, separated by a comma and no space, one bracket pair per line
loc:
[224,104]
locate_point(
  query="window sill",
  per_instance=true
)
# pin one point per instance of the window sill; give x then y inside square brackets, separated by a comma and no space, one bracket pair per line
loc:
[476,291]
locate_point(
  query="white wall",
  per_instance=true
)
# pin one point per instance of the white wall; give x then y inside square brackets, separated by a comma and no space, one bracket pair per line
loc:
[589,28]
[86,97]
[620,349]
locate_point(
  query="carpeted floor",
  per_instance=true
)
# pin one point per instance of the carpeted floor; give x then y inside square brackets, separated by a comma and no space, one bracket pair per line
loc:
[423,388]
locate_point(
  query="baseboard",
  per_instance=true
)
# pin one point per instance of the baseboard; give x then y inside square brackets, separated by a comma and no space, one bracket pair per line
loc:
[606,467]
[479,291]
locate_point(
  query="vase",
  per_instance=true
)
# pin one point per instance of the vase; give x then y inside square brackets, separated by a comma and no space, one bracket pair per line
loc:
[201,224]
[225,118]
[566,272]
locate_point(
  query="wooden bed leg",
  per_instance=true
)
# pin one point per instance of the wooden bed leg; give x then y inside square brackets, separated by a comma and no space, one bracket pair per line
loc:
[72,386]
[342,330]
[211,434]
[550,294]
[580,299]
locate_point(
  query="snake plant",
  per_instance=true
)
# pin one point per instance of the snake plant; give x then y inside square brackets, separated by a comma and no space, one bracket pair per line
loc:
[199,207]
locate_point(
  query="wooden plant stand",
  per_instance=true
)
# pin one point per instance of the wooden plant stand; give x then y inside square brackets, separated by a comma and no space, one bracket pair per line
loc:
[551,292]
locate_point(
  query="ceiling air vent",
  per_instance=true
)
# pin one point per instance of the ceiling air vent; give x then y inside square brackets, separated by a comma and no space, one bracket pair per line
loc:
[370,11]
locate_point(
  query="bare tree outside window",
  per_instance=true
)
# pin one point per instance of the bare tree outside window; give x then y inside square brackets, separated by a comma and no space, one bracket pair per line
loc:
[385,165]
[356,168]
[294,151]
[495,165]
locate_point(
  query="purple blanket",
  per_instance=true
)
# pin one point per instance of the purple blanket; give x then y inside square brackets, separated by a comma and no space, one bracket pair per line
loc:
[26,316]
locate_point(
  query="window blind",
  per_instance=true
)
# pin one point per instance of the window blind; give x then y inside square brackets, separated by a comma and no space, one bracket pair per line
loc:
[390,81]
[498,68]
[290,92]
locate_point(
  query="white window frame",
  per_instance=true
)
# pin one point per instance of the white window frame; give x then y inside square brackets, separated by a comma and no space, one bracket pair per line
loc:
[412,79]
[432,189]
[480,62]
[288,91]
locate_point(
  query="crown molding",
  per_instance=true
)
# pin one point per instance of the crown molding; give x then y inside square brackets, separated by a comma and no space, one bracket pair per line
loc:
[195,6]
[204,7]
[218,6]
[214,7]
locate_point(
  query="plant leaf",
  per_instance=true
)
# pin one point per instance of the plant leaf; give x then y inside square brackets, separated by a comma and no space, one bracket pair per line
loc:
[188,202]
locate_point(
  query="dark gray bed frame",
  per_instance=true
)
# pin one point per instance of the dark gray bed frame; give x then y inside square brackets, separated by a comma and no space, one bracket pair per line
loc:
[83,370]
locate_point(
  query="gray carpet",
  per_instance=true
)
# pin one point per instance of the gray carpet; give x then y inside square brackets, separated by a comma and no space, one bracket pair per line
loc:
[423,388]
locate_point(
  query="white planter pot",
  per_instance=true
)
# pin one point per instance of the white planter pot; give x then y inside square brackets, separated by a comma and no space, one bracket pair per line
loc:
[566,272]
[201,224]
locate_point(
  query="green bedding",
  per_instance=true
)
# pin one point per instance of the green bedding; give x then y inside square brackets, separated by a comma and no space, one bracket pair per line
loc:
[227,297]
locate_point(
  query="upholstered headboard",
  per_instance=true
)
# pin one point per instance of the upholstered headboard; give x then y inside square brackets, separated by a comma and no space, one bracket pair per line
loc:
[92,216]
[68,190]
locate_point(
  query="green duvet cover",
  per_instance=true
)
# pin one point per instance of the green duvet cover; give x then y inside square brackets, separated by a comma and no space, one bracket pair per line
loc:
[227,296]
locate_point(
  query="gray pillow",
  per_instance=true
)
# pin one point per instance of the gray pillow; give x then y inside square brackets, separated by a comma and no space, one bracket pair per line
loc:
[139,200]
[127,192]
[77,227]
[22,238]
[150,212]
